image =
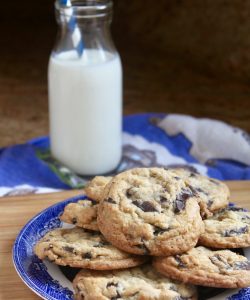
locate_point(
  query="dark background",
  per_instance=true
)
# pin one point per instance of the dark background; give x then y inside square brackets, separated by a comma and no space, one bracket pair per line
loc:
[190,57]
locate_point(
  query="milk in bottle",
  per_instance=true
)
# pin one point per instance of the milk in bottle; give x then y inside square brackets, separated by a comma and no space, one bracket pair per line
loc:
[85,92]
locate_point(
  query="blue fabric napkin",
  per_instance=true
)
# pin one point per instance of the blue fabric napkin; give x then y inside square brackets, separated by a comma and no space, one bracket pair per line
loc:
[208,146]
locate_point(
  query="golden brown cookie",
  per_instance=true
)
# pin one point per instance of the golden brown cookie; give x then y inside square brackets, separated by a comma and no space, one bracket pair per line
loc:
[82,214]
[149,211]
[135,283]
[95,187]
[80,248]
[227,228]
[201,266]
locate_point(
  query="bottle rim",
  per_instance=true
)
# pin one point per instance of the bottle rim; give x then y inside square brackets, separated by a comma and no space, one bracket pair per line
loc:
[85,8]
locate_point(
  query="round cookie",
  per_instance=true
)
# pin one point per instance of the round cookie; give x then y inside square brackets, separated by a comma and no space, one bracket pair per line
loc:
[80,248]
[201,266]
[95,188]
[148,211]
[227,228]
[213,194]
[82,213]
[136,283]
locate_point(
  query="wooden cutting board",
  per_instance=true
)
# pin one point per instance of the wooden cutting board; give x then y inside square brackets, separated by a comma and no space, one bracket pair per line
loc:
[16,211]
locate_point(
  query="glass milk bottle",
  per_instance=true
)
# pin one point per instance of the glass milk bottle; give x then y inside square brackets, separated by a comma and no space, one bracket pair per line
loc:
[85,89]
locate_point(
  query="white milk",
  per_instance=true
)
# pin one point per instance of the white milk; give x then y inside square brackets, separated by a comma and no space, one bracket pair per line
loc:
[85,105]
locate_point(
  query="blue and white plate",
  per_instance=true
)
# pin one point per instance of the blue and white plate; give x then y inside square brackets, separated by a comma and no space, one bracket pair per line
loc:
[46,279]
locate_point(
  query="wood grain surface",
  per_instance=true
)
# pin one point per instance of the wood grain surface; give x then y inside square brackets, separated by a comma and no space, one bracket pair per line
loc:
[17,211]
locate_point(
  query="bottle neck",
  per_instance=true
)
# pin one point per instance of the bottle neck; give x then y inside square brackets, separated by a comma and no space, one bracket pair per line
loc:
[93,25]
[84,13]
[88,21]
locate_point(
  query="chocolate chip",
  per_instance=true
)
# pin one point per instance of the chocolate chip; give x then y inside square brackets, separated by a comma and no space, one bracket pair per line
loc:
[201,191]
[180,202]
[159,230]
[117,296]
[78,289]
[144,248]
[192,189]
[235,208]
[177,178]
[196,190]
[74,220]
[69,249]
[181,264]
[129,193]
[210,203]
[146,206]
[217,260]
[101,244]
[173,288]
[94,202]
[235,232]
[242,265]
[163,199]
[214,260]
[109,200]
[92,232]
[116,285]
[87,255]
[111,284]
[192,174]
[179,205]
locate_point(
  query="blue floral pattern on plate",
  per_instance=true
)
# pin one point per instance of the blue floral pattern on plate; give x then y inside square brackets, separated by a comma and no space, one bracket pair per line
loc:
[45,278]
[33,271]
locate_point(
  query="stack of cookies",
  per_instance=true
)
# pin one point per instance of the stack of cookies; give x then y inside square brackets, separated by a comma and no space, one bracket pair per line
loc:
[151,233]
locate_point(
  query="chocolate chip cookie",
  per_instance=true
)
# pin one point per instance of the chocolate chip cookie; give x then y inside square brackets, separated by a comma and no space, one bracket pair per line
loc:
[149,211]
[213,194]
[136,283]
[77,247]
[227,228]
[82,213]
[95,187]
[201,266]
